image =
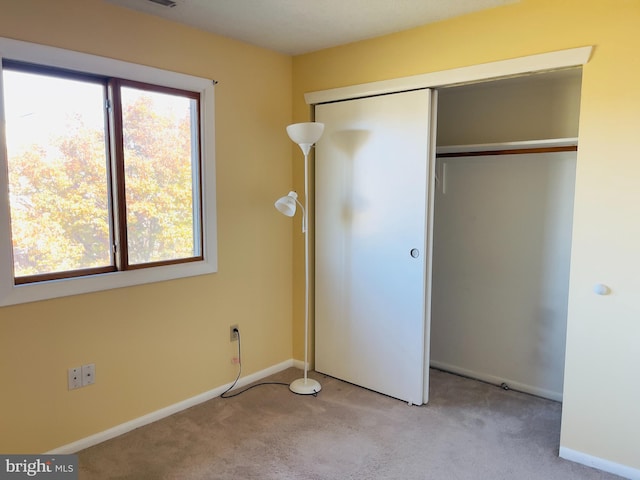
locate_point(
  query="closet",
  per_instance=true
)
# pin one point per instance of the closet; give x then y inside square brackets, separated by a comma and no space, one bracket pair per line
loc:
[502,230]
[466,254]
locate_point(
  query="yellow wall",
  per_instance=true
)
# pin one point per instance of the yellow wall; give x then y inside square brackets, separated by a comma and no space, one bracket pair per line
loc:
[158,344]
[602,392]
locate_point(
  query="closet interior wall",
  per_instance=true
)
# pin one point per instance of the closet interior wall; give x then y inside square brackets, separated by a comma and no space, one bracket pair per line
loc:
[502,232]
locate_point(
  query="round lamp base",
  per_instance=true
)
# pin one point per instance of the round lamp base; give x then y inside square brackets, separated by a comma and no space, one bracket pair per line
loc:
[304,386]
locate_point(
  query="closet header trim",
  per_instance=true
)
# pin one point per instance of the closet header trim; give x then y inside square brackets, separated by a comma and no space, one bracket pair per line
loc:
[504,68]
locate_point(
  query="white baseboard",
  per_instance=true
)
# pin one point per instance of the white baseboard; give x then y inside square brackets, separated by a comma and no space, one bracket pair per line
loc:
[600,463]
[170,410]
[485,377]
[298,364]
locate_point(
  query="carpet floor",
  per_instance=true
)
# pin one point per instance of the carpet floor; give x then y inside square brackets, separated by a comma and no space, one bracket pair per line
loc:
[469,430]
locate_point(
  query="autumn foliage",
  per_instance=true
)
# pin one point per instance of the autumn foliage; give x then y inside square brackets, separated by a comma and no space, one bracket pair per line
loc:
[60,192]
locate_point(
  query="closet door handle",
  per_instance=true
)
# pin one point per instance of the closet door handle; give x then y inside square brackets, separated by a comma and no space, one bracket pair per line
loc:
[415,253]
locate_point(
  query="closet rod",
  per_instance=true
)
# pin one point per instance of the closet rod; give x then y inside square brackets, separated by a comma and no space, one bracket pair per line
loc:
[514,151]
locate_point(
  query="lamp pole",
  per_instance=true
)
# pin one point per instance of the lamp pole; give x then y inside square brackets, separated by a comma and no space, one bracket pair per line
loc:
[305,135]
[305,215]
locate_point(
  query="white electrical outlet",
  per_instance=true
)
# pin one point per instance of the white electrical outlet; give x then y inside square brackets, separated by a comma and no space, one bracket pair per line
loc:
[88,374]
[233,332]
[74,376]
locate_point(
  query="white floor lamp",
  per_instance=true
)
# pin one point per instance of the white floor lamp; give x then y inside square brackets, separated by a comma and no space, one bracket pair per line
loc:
[305,135]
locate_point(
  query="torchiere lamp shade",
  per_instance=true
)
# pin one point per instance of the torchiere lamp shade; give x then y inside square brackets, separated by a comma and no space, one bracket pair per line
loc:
[305,134]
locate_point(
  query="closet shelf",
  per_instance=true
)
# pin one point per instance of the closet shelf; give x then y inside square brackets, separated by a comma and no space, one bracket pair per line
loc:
[502,146]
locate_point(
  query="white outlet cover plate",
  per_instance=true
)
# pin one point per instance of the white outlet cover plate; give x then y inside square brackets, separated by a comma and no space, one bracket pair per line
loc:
[74,376]
[88,374]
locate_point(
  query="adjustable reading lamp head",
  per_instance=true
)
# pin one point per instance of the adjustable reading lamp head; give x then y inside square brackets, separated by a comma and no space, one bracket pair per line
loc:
[287,204]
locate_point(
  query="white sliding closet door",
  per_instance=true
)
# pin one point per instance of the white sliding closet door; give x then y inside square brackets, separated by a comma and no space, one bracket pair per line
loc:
[372,173]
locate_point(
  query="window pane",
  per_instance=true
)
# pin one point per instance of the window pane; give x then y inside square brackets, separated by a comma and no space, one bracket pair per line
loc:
[55,129]
[161,172]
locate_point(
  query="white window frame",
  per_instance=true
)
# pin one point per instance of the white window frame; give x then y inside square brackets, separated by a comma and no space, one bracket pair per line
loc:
[11,294]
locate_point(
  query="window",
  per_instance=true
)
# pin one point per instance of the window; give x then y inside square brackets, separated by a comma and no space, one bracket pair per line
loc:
[109,176]
[57,163]
[161,174]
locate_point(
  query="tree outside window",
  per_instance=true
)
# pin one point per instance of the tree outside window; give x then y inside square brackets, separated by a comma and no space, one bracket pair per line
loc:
[104,174]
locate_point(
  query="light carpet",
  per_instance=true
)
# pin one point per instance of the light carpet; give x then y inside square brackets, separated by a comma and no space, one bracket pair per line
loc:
[469,430]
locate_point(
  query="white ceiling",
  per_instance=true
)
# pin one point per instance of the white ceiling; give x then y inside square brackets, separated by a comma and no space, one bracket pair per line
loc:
[301,26]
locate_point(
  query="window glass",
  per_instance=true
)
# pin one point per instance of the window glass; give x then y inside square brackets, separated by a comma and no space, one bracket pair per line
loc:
[161,168]
[57,165]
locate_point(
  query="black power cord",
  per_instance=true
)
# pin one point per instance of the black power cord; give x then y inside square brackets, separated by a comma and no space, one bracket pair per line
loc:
[224,394]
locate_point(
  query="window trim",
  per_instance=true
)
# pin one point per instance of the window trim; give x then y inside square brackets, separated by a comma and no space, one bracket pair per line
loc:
[10,293]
